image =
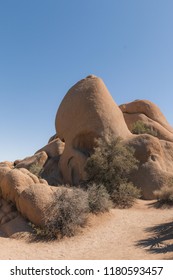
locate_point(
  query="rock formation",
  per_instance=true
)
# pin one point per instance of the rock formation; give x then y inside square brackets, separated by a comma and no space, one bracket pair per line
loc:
[86,113]
[148,113]
[11,222]
[155,154]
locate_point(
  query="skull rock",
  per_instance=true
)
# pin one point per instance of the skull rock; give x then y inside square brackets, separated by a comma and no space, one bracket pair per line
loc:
[86,112]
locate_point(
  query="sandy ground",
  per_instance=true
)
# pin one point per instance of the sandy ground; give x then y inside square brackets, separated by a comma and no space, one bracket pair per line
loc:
[142,232]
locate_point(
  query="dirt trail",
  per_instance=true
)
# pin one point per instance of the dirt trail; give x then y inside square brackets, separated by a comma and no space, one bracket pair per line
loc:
[142,232]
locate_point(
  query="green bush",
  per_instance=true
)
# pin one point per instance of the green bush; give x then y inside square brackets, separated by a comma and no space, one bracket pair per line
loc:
[98,198]
[67,213]
[141,128]
[111,164]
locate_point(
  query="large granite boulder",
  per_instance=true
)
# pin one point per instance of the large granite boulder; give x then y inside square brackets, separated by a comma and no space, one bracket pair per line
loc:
[38,160]
[150,115]
[11,221]
[50,171]
[155,154]
[147,108]
[13,187]
[14,182]
[155,163]
[86,112]
[53,148]
[27,193]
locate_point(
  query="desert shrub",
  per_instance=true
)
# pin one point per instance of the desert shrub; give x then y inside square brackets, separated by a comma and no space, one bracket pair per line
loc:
[40,233]
[125,194]
[35,169]
[111,164]
[141,128]
[165,194]
[98,198]
[67,213]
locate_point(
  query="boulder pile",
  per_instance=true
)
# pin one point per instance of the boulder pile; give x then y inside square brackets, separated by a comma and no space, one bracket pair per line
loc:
[87,112]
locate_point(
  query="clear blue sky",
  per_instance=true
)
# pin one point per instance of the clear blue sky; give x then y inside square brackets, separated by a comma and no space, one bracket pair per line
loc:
[48,45]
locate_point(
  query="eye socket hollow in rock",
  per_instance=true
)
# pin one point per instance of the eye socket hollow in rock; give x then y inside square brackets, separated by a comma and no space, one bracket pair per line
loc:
[84,142]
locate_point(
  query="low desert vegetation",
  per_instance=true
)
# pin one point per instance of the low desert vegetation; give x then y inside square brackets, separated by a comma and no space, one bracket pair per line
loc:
[141,128]
[69,210]
[108,170]
[164,196]
[35,169]
[125,194]
[67,213]
[110,165]
[98,198]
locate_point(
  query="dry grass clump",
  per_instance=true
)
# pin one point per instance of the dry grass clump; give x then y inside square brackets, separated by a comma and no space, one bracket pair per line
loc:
[98,199]
[110,165]
[67,213]
[165,194]
[69,210]
[124,196]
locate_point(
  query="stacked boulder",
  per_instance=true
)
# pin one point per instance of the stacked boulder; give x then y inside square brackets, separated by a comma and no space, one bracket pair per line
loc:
[155,154]
[87,112]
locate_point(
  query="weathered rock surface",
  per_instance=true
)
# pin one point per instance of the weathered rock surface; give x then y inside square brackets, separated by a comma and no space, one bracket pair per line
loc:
[160,131]
[86,112]
[16,226]
[33,201]
[149,114]
[51,173]
[53,149]
[11,222]
[14,186]
[23,189]
[39,159]
[14,182]
[154,153]
[155,163]
[55,136]
[147,108]
[4,169]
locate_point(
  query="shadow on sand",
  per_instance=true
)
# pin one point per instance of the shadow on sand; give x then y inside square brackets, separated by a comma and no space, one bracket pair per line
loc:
[160,239]
[160,205]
